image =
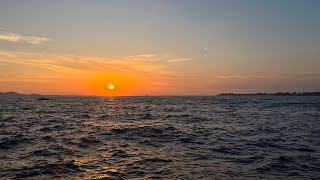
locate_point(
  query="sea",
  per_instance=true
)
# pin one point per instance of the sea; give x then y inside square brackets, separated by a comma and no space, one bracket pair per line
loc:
[183,137]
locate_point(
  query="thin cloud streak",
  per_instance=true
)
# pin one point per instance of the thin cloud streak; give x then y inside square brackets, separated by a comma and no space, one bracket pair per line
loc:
[12,37]
[178,60]
[148,64]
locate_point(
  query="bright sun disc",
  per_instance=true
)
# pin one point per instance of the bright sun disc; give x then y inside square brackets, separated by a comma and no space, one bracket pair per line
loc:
[111,86]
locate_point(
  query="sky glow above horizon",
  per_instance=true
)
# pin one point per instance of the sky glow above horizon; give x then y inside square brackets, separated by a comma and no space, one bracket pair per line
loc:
[164,47]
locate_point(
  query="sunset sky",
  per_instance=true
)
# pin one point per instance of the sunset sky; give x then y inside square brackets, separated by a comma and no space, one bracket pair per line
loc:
[163,47]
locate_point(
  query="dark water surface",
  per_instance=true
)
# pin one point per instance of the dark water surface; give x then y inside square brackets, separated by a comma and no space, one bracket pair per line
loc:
[237,137]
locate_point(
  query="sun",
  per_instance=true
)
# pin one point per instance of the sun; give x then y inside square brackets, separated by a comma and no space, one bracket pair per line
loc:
[111,86]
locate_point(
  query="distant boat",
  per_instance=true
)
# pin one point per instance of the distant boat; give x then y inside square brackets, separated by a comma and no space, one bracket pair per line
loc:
[43,99]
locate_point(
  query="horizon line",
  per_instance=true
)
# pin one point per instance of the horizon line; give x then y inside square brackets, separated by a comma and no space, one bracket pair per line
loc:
[182,95]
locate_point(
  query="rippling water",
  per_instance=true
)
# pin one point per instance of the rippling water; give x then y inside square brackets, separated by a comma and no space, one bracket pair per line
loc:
[160,137]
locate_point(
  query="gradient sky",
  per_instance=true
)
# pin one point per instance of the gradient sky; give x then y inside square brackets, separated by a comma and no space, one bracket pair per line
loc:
[164,47]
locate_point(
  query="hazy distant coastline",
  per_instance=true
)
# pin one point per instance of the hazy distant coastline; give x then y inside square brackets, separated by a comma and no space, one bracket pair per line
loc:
[273,94]
[15,94]
[12,93]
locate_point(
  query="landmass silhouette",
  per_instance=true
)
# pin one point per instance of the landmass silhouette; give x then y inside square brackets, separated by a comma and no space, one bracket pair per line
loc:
[273,94]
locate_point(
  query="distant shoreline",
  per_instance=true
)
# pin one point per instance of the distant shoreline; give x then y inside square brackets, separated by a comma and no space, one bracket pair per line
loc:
[272,94]
[12,93]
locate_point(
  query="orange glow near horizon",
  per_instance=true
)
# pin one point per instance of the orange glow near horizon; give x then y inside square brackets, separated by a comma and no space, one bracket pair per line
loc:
[122,84]
[129,75]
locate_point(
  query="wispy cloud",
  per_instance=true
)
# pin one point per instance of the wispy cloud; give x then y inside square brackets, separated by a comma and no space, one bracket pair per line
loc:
[11,37]
[176,60]
[143,57]
[145,63]
[148,64]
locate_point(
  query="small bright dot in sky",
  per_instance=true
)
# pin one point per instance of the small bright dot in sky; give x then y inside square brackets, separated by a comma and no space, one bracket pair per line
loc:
[110,86]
